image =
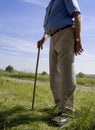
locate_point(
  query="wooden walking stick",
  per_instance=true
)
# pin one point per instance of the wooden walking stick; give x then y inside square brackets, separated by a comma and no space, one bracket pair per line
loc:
[33,99]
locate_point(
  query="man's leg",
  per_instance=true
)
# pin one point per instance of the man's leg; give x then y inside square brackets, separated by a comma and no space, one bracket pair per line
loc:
[64,47]
[65,50]
[54,72]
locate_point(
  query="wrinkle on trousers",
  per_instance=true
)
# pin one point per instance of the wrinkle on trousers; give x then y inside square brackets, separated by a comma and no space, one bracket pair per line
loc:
[62,73]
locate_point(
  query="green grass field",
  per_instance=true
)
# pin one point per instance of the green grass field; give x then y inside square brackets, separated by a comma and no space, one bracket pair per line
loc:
[16,112]
[85,81]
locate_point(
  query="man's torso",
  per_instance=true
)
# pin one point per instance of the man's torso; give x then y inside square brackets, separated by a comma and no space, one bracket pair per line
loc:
[58,14]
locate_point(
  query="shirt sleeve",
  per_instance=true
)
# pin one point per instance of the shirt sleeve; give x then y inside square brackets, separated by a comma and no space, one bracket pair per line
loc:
[72,6]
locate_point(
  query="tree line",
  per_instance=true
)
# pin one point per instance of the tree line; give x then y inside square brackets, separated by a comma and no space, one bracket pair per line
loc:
[10,69]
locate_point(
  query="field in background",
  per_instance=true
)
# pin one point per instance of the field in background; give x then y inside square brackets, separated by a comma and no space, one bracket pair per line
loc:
[81,80]
[15,106]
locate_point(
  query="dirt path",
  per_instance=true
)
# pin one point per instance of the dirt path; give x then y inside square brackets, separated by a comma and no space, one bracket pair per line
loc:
[39,83]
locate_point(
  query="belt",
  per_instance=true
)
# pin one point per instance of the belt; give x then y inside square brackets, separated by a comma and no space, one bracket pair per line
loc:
[51,34]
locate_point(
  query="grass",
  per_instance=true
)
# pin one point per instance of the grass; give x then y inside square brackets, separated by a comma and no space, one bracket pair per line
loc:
[85,81]
[16,113]
[24,75]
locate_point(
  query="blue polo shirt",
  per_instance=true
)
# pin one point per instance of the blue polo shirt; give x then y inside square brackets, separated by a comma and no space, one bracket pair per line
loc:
[58,14]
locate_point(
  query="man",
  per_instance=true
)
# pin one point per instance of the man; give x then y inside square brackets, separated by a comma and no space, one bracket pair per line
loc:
[63,25]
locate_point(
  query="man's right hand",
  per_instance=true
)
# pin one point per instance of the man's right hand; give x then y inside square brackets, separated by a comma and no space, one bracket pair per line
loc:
[40,43]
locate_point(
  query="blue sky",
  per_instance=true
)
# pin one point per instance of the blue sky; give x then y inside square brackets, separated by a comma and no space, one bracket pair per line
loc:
[21,26]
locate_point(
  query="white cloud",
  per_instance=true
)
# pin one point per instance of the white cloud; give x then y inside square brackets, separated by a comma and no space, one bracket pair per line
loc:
[42,3]
[90,56]
[18,46]
[21,54]
[85,63]
[86,56]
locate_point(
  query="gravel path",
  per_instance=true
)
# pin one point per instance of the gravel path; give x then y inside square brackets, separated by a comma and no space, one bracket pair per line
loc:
[39,83]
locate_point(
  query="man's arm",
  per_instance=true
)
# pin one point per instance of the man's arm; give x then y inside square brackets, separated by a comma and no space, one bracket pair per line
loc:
[78,45]
[41,42]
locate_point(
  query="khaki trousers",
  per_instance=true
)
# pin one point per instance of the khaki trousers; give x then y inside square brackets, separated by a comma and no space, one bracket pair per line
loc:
[62,74]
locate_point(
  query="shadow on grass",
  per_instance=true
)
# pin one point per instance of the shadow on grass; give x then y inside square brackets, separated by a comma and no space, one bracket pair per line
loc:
[19,115]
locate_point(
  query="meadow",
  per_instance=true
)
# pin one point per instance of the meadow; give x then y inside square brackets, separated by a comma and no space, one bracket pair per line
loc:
[84,81]
[16,107]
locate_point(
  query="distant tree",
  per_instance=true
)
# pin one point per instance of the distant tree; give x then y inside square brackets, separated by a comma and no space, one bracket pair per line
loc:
[81,74]
[44,73]
[1,70]
[9,68]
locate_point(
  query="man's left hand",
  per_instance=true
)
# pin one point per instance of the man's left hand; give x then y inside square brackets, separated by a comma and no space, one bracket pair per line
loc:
[78,48]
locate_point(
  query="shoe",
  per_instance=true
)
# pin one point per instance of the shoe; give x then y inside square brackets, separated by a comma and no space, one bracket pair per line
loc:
[60,120]
[67,111]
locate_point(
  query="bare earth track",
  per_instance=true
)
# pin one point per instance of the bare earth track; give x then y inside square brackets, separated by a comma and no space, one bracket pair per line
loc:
[39,83]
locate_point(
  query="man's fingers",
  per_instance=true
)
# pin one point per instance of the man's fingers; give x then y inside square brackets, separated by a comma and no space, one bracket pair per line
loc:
[40,44]
[78,52]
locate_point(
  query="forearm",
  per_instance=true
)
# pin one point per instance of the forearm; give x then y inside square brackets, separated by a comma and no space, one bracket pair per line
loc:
[78,26]
[78,45]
